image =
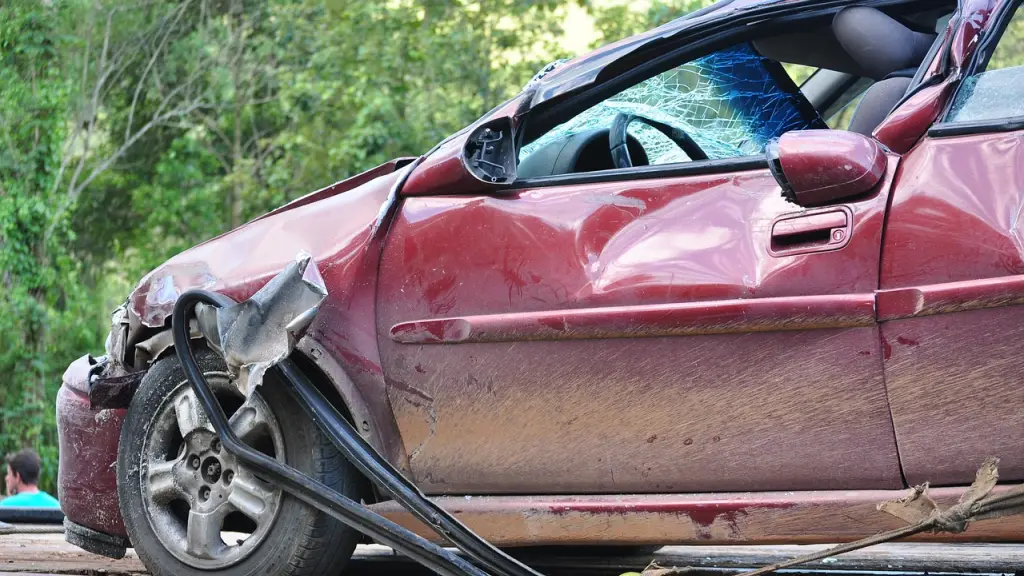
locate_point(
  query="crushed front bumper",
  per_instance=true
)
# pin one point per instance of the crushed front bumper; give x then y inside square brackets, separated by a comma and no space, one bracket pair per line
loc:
[88,439]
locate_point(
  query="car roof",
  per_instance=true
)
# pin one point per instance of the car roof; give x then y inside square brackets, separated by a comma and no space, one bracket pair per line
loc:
[586,69]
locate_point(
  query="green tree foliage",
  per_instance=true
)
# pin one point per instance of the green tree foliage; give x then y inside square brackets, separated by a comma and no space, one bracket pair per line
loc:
[133,129]
[622,19]
[45,316]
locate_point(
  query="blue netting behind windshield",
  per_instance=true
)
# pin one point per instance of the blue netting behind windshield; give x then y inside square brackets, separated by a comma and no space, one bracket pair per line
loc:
[731,103]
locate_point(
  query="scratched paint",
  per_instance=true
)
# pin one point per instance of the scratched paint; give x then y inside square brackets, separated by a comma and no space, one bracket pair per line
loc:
[952,305]
[675,519]
[511,412]
[87,476]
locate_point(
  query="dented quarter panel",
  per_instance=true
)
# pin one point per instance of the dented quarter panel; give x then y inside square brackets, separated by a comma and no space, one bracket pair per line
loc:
[628,409]
[951,266]
[343,232]
[343,235]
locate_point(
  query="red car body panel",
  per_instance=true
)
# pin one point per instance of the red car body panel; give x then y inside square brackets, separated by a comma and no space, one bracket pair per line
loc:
[87,443]
[493,341]
[523,404]
[343,233]
[822,517]
[347,249]
[950,359]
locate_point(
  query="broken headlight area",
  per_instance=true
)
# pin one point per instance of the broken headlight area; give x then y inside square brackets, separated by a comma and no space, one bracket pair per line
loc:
[252,335]
[258,333]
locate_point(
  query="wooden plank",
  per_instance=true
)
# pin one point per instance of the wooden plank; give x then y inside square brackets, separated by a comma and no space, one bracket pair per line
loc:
[50,554]
[916,557]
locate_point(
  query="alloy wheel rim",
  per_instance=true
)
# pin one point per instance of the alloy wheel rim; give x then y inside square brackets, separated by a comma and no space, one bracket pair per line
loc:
[197,496]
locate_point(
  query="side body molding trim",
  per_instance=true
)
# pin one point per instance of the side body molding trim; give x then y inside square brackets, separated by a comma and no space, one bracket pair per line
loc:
[718,317]
[950,297]
[684,319]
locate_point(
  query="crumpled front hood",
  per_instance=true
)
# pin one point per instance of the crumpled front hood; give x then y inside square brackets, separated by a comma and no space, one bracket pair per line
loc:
[327,224]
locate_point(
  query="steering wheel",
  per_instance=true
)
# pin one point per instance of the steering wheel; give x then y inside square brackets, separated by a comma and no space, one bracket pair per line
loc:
[617,139]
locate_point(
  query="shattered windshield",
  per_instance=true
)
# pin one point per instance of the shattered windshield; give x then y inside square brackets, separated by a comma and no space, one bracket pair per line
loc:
[731,102]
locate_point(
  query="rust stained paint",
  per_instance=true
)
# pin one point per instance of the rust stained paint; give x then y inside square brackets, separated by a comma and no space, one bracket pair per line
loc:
[689,319]
[675,519]
[703,515]
[516,418]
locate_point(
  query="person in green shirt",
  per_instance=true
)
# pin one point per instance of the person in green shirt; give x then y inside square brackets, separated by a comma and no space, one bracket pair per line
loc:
[22,479]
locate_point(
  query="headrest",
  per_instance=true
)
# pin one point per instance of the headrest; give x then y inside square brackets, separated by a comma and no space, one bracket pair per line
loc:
[879,44]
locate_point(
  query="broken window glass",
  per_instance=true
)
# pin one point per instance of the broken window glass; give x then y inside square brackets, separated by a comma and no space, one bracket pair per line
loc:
[731,102]
[998,92]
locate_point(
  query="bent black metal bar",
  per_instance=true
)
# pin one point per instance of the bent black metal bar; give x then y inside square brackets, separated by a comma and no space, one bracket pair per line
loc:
[382,473]
[312,492]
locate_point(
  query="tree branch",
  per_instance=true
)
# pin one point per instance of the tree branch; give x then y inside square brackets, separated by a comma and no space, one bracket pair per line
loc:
[149,66]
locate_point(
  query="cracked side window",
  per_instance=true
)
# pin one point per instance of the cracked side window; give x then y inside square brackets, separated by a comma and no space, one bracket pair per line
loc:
[998,92]
[731,103]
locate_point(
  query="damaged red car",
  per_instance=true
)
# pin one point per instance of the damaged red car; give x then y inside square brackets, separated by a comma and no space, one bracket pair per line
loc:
[664,295]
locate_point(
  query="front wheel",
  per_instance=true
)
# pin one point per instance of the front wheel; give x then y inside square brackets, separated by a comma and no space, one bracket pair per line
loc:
[191,508]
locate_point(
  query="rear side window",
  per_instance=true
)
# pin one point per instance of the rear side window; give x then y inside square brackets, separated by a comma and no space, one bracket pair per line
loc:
[997,91]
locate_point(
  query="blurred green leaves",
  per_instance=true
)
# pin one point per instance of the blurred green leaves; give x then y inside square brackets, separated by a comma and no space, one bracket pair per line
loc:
[133,129]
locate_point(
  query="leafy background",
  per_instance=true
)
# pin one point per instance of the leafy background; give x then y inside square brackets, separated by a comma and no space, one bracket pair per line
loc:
[133,129]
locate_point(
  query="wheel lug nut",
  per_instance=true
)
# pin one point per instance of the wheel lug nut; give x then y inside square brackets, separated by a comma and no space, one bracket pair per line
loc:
[215,446]
[228,477]
[193,462]
[204,493]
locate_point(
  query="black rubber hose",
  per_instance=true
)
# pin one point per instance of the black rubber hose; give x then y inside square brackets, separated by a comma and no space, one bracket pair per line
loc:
[292,481]
[31,515]
[382,473]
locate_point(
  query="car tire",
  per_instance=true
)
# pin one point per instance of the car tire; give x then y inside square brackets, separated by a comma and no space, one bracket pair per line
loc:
[169,503]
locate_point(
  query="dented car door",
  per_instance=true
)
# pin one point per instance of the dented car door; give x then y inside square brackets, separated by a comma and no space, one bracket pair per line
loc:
[675,327]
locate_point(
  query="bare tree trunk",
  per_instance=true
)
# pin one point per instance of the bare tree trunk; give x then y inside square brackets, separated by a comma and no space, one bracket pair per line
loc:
[236,162]
[236,147]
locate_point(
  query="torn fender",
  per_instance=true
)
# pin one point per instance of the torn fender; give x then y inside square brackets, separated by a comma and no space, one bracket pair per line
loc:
[343,233]
[256,334]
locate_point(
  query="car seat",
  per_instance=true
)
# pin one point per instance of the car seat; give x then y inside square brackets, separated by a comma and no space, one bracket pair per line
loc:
[886,51]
